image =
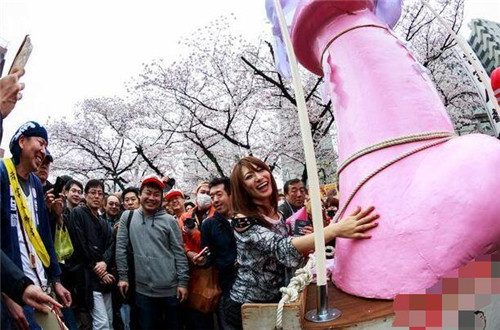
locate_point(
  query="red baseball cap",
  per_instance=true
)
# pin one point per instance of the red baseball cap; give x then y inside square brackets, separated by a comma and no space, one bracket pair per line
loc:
[153,179]
[172,193]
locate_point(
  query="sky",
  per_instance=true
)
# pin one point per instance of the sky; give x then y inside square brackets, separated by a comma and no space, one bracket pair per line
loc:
[87,49]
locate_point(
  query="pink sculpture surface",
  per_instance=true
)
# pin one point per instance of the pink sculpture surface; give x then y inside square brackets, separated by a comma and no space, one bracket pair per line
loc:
[439,207]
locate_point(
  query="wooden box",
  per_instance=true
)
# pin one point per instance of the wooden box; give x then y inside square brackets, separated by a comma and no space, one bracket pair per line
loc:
[263,316]
[357,313]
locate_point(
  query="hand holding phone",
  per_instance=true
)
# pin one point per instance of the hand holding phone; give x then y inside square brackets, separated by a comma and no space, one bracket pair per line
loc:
[203,253]
[10,92]
[58,186]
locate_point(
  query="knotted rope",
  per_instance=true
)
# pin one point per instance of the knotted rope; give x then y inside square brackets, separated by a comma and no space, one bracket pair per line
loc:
[303,277]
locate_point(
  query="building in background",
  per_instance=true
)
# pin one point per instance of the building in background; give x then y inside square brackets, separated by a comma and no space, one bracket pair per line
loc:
[485,41]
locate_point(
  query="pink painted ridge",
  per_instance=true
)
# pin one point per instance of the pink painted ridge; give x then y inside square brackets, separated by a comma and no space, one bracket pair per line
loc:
[439,208]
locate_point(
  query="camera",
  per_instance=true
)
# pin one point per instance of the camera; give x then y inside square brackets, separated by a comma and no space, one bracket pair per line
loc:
[331,213]
[190,223]
[168,185]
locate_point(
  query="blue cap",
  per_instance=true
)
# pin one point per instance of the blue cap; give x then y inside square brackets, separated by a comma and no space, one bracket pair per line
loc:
[48,156]
[28,129]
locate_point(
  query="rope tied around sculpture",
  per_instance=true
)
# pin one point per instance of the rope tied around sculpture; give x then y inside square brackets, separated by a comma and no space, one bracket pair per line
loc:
[303,277]
[392,142]
[441,136]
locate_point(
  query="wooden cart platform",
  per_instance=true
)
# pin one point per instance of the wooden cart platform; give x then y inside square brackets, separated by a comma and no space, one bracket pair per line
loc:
[357,313]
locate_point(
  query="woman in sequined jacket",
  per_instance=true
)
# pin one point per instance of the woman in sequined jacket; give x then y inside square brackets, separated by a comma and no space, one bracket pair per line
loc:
[264,249]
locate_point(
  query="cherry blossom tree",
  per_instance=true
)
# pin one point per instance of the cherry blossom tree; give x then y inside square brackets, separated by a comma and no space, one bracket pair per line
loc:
[230,102]
[437,51]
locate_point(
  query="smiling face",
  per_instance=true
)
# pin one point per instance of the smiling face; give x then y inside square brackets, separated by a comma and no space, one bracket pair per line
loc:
[257,182]
[73,195]
[112,206]
[151,198]
[176,204]
[32,152]
[253,189]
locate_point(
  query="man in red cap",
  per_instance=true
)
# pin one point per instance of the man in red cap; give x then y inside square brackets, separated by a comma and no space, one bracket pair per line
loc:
[161,267]
[175,201]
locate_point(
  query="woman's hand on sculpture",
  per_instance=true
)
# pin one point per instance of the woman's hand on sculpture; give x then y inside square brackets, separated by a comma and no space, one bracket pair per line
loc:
[357,224]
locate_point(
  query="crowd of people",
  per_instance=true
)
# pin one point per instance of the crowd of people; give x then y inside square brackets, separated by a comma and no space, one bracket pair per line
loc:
[138,258]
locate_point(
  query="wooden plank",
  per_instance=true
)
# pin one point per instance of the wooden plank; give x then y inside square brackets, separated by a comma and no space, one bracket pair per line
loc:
[359,313]
[263,316]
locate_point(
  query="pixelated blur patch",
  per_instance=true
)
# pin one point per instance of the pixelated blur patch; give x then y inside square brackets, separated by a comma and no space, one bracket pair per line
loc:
[463,299]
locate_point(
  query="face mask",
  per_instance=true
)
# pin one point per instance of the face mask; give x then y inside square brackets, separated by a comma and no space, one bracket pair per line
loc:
[204,201]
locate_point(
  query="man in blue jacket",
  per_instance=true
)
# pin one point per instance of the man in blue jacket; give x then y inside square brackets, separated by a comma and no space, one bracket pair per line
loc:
[25,229]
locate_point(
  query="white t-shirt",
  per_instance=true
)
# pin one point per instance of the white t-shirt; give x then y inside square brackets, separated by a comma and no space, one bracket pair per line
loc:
[25,259]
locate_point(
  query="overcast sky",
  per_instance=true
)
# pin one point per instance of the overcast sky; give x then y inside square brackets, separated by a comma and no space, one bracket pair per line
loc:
[85,49]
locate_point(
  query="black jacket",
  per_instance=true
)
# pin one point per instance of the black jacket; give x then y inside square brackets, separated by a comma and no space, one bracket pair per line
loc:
[287,209]
[93,241]
[217,234]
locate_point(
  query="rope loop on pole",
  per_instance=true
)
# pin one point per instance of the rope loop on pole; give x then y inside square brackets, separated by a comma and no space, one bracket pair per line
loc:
[298,283]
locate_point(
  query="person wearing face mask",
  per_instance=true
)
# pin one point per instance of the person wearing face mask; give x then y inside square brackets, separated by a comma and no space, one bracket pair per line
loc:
[190,223]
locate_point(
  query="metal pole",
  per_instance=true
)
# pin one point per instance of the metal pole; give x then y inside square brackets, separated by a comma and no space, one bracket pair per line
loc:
[321,314]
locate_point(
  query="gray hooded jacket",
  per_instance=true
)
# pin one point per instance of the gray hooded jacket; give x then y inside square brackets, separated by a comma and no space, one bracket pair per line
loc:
[160,262]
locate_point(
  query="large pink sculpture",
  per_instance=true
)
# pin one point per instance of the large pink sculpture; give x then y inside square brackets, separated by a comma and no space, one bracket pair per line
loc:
[439,206]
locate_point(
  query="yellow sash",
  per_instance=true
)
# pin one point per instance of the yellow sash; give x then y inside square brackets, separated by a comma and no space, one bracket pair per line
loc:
[24,213]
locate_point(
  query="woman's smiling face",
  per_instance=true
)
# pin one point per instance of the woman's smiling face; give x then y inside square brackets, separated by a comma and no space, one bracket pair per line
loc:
[257,182]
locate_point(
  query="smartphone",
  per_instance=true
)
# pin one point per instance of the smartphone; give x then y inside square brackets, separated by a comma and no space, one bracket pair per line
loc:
[203,252]
[22,56]
[299,226]
[58,186]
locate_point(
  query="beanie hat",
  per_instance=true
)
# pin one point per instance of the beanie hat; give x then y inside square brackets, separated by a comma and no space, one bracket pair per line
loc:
[27,129]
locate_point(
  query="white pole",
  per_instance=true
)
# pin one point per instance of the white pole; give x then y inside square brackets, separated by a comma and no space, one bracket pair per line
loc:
[312,170]
[471,56]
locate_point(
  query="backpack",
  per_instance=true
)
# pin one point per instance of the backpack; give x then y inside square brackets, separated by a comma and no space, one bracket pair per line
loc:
[131,264]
